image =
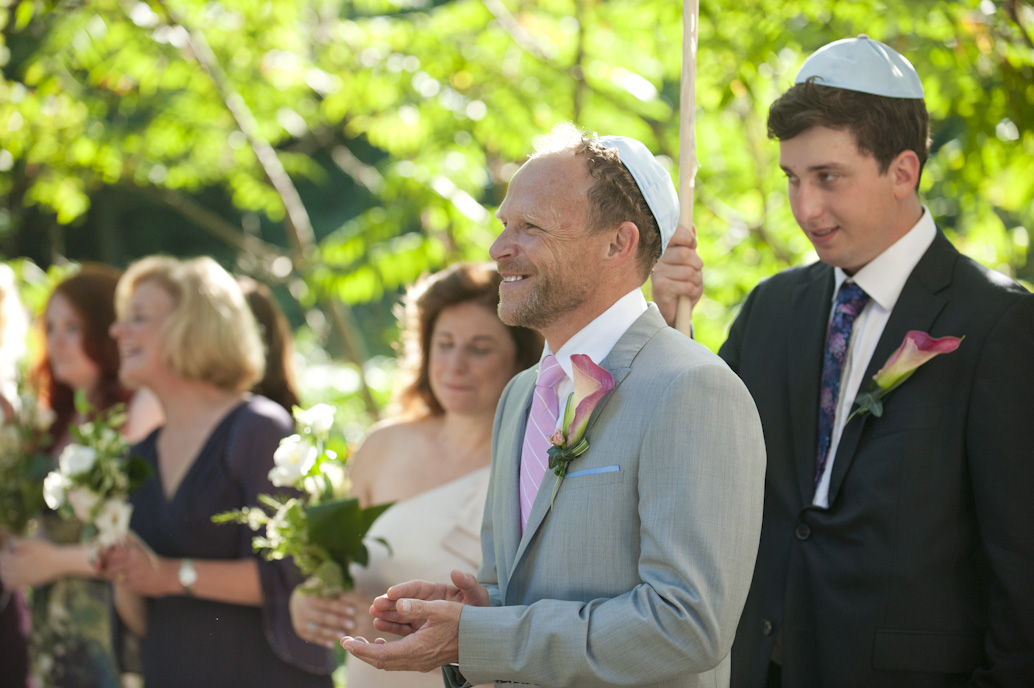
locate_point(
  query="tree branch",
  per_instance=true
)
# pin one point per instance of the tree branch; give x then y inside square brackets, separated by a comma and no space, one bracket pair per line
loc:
[297,222]
[212,223]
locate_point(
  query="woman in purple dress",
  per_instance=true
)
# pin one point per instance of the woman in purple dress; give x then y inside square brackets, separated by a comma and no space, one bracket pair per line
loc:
[211,612]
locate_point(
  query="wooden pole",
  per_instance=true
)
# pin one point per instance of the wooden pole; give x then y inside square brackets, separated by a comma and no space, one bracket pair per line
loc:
[687,138]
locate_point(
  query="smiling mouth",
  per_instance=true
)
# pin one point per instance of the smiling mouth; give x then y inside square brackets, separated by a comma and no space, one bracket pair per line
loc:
[515,278]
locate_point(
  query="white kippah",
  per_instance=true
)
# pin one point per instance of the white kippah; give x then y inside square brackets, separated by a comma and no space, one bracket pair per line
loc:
[653,181]
[864,65]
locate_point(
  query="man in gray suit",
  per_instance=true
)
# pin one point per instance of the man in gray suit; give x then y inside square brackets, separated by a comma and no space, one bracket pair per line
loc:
[632,569]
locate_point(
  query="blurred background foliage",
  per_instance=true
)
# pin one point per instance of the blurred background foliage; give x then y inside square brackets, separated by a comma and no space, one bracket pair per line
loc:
[338,149]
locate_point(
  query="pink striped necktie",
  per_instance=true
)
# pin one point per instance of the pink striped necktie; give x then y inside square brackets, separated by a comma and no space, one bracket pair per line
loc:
[542,423]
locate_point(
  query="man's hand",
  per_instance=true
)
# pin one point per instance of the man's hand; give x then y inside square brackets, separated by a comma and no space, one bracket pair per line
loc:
[679,272]
[386,619]
[428,615]
[435,644]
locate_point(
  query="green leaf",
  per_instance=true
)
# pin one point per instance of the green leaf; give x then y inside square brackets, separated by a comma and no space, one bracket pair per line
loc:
[339,527]
[870,402]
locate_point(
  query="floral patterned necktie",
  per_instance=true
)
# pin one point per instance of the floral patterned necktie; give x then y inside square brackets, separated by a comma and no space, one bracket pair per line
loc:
[851,299]
[545,410]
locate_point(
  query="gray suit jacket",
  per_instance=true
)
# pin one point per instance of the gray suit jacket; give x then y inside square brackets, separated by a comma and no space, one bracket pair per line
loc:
[637,574]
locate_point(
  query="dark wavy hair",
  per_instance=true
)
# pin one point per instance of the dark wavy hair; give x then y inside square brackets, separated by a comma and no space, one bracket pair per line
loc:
[882,127]
[278,383]
[418,313]
[91,293]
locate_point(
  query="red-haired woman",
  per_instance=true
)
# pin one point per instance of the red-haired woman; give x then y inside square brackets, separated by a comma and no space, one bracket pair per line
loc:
[71,642]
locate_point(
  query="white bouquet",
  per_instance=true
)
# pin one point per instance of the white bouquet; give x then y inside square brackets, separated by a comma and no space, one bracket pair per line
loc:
[95,476]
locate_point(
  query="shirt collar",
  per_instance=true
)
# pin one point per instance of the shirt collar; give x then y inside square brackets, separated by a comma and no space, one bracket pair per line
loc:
[884,276]
[596,339]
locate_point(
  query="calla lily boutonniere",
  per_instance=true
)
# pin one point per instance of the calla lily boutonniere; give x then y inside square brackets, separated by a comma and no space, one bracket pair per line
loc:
[591,384]
[917,349]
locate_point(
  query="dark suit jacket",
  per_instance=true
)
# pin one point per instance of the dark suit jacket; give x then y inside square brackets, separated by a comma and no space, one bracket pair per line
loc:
[921,571]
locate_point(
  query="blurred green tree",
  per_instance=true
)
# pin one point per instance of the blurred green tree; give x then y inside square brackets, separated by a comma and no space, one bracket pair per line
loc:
[393,128]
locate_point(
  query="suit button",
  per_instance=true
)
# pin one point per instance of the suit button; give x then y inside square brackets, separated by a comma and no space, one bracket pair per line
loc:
[766,627]
[802,531]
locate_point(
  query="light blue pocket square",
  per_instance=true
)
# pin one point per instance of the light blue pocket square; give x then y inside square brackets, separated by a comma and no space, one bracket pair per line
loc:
[594,471]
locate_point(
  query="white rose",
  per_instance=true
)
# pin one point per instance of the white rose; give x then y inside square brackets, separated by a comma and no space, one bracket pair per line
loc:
[319,419]
[113,522]
[83,502]
[335,473]
[76,459]
[282,477]
[54,489]
[293,458]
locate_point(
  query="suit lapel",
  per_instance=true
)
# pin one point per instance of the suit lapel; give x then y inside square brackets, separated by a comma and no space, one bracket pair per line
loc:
[618,363]
[812,300]
[916,309]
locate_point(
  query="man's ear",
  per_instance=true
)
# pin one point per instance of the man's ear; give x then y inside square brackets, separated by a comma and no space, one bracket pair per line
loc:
[624,242]
[904,171]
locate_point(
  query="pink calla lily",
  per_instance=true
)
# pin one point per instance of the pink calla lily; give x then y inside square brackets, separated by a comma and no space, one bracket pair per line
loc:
[591,384]
[917,349]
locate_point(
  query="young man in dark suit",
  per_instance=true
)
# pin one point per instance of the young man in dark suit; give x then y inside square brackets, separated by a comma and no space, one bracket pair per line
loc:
[897,549]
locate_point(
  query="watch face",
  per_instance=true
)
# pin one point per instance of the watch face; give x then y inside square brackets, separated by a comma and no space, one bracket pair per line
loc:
[187,573]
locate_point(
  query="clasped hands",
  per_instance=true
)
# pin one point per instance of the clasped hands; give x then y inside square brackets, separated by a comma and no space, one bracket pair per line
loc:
[134,566]
[427,615]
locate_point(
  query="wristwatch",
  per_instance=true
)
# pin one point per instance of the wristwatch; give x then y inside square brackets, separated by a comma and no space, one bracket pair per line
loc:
[187,576]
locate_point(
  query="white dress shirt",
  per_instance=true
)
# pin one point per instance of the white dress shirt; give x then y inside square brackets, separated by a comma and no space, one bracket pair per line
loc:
[596,339]
[882,278]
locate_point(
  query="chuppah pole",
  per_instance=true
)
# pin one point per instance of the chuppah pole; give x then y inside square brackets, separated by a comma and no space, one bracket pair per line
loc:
[687,138]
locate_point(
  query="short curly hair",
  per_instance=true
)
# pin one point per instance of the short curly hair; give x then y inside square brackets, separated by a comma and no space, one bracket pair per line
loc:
[614,197]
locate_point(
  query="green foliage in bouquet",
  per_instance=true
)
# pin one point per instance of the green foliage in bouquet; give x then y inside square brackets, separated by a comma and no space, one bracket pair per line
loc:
[95,475]
[320,529]
[23,465]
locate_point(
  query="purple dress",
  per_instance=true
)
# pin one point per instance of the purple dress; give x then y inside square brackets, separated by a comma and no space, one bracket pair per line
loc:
[201,643]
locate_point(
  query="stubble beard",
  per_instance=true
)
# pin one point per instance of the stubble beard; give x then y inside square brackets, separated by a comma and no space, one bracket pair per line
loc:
[549,302]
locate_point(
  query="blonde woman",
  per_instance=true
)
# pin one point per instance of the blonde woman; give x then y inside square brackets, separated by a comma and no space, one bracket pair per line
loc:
[211,612]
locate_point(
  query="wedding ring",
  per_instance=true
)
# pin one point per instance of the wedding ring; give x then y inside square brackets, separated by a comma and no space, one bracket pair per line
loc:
[120,577]
[312,627]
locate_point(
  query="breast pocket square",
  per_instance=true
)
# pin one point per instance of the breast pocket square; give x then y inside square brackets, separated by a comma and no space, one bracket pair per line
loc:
[594,471]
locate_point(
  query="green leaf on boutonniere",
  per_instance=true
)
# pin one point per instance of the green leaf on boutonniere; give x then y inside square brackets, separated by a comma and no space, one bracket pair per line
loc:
[559,457]
[869,402]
